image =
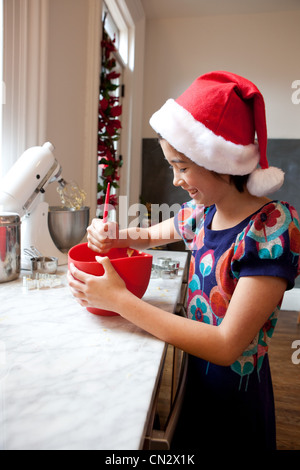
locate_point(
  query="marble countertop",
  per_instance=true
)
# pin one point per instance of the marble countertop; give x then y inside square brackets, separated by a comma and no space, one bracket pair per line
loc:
[73,380]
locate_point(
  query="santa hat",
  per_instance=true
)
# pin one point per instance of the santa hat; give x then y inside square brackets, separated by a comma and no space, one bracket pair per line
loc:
[214,123]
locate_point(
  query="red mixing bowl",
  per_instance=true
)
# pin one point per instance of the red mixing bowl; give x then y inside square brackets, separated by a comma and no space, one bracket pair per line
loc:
[133,266]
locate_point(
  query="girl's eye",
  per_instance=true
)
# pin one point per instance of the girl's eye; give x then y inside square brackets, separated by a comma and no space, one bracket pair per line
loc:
[181,170]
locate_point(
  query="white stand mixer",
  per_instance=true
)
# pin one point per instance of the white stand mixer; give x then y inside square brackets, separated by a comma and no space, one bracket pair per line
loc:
[21,191]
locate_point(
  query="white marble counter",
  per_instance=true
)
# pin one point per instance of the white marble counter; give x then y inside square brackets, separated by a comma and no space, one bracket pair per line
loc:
[73,380]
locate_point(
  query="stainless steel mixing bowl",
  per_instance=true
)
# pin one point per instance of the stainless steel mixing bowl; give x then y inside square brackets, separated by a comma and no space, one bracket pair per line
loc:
[67,226]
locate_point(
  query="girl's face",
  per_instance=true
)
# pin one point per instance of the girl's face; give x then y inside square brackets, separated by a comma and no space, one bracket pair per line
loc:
[203,186]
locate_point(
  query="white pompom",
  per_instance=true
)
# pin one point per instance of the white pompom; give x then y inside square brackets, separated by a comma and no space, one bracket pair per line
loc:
[263,182]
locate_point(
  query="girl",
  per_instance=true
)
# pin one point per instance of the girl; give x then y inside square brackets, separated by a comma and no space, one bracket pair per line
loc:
[245,254]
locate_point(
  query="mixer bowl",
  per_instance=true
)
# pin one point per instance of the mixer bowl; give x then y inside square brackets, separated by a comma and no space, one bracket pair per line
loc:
[133,266]
[67,226]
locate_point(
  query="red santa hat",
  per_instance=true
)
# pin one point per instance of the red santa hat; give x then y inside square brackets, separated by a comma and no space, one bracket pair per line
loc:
[214,124]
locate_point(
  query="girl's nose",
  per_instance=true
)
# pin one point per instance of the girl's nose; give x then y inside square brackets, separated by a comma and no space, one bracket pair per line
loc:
[177,180]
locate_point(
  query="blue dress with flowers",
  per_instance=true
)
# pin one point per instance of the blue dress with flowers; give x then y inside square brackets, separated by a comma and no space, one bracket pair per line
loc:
[233,407]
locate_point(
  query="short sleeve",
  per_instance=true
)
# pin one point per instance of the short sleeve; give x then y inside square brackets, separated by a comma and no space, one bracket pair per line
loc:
[189,221]
[270,244]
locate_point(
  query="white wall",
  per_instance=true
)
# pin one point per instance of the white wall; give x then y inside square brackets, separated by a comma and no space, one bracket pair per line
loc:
[262,47]
[68,22]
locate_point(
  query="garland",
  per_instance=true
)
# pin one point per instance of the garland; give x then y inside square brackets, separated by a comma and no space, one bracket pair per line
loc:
[109,124]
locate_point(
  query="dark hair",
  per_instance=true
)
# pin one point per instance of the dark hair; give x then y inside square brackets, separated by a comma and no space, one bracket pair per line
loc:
[239,182]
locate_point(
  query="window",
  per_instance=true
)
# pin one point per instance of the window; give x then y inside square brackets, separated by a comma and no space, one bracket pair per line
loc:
[117,27]
[110,26]
[129,16]
[109,135]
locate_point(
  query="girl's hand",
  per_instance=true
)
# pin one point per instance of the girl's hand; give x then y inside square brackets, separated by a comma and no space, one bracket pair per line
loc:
[102,236]
[97,291]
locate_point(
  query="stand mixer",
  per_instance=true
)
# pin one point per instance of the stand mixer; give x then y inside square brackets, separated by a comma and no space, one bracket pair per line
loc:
[21,192]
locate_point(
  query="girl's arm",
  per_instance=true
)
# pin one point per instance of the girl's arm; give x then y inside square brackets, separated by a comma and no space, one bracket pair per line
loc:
[254,300]
[104,236]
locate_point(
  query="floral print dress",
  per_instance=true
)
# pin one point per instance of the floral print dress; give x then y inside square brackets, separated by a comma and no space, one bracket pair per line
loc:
[236,401]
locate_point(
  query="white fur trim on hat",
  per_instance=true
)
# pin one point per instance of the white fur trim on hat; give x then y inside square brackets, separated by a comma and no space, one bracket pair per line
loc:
[265,181]
[200,144]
